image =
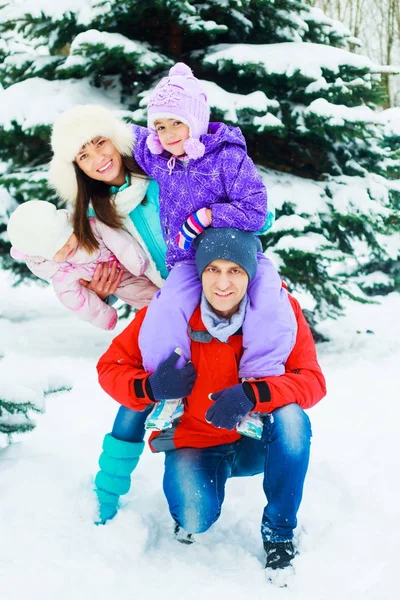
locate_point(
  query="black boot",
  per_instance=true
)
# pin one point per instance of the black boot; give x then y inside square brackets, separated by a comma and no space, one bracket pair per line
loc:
[182,536]
[279,554]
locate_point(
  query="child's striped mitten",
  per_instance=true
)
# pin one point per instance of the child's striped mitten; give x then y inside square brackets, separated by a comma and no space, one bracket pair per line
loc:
[192,227]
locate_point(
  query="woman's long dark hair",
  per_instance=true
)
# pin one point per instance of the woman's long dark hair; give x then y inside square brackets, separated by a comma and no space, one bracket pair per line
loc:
[97,193]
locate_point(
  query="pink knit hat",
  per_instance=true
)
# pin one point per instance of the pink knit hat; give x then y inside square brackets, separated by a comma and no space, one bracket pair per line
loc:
[179,95]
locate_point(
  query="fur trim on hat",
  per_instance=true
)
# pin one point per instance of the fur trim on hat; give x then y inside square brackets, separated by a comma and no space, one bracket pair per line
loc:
[81,124]
[37,228]
[73,129]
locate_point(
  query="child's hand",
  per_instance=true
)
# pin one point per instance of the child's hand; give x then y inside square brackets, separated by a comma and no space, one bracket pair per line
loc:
[193,226]
[105,280]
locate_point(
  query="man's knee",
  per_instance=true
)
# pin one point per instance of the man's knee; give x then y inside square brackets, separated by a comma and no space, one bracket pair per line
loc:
[195,516]
[293,427]
[192,500]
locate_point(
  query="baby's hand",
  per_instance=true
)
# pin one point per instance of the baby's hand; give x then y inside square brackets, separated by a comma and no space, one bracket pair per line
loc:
[106,278]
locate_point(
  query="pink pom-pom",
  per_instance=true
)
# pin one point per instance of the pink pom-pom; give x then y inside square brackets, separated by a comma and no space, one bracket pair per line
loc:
[154,144]
[181,69]
[194,148]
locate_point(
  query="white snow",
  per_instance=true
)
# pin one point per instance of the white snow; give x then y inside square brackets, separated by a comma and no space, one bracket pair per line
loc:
[347,533]
[47,100]
[145,57]
[288,58]
[85,9]
[391,120]
[339,114]
[325,23]
[288,222]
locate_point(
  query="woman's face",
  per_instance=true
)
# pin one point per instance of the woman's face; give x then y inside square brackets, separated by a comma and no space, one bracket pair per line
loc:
[100,160]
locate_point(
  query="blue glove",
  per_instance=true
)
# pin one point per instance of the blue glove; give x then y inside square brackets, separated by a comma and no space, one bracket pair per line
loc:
[169,383]
[230,406]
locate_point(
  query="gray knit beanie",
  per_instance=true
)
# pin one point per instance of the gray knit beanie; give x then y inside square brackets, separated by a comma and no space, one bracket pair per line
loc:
[226,243]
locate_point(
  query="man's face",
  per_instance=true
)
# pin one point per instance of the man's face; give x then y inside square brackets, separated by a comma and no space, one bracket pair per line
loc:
[224,285]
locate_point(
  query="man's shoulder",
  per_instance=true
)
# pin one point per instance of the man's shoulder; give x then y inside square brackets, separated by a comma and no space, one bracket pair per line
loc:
[195,321]
[134,326]
[140,315]
[294,304]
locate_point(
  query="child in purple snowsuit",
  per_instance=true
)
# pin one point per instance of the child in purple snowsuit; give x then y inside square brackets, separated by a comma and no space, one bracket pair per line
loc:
[206,179]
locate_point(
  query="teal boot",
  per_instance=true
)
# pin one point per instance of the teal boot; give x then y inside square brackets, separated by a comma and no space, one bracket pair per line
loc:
[117,461]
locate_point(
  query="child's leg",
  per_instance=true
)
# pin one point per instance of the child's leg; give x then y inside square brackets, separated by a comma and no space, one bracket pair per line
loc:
[269,328]
[121,452]
[165,325]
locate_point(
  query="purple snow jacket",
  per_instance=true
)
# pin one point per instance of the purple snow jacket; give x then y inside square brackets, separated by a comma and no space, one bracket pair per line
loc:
[225,179]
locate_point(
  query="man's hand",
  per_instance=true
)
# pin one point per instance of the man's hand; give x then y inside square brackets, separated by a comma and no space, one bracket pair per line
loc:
[229,408]
[169,383]
[193,226]
[106,278]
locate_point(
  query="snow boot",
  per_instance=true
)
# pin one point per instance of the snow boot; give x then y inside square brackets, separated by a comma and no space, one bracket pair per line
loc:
[117,461]
[182,536]
[279,554]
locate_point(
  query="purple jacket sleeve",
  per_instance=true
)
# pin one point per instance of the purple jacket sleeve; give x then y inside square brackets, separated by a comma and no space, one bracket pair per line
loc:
[246,206]
[141,153]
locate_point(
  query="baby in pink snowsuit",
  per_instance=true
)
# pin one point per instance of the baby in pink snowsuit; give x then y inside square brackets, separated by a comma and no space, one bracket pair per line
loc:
[43,236]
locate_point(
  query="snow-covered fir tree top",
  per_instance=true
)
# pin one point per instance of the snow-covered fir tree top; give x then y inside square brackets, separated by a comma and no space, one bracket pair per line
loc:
[144,56]
[85,10]
[285,59]
[391,119]
[317,17]
[339,114]
[35,102]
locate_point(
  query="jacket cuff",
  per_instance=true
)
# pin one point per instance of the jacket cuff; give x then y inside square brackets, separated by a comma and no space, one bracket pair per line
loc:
[257,391]
[142,389]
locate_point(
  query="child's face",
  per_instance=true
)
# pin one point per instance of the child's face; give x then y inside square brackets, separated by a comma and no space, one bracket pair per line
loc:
[100,160]
[68,250]
[172,134]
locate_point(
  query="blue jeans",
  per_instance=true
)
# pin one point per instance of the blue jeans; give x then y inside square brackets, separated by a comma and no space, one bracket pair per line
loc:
[194,478]
[129,425]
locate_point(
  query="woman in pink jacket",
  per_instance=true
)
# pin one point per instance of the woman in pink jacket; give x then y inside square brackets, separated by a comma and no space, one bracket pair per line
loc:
[44,237]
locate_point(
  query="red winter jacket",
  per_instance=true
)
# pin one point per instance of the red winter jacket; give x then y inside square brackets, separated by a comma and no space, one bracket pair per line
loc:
[121,375]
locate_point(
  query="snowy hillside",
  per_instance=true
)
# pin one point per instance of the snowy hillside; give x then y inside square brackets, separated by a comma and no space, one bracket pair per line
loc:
[49,548]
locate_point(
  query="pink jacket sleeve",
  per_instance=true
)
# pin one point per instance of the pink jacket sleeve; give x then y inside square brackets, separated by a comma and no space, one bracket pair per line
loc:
[127,250]
[41,267]
[83,302]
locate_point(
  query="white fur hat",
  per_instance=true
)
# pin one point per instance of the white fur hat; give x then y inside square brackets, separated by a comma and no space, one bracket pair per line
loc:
[74,128]
[37,228]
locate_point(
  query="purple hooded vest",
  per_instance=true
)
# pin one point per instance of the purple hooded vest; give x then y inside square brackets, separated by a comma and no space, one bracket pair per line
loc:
[224,179]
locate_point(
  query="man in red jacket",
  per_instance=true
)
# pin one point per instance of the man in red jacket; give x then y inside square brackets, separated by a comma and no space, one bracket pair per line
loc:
[203,449]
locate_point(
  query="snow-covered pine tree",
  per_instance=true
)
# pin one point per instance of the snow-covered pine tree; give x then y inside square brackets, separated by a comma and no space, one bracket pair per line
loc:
[17,403]
[279,69]
[21,399]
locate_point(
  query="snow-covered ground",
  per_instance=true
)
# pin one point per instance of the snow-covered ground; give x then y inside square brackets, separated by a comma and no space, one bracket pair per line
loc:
[349,519]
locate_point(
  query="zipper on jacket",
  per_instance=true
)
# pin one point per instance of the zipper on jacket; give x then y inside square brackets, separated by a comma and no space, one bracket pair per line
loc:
[186,170]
